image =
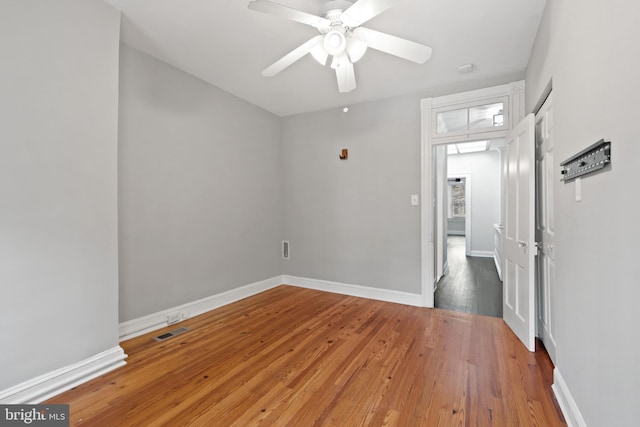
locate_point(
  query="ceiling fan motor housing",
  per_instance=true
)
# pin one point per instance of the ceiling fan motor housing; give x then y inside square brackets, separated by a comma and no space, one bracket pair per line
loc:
[332,10]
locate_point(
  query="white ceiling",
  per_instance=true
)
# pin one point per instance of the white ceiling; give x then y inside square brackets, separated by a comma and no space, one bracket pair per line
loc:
[228,45]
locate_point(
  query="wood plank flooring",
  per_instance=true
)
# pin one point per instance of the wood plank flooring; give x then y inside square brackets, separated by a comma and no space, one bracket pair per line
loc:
[472,284]
[299,357]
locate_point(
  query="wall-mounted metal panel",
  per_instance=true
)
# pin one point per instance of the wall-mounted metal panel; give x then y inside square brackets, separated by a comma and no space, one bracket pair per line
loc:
[589,160]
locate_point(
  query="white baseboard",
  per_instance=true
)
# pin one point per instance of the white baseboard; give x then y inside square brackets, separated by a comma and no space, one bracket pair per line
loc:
[154,321]
[53,383]
[355,290]
[495,261]
[456,233]
[483,254]
[142,325]
[569,408]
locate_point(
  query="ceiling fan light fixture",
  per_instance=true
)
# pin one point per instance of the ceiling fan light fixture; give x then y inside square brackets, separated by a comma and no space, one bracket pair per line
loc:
[334,42]
[356,46]
[319,54]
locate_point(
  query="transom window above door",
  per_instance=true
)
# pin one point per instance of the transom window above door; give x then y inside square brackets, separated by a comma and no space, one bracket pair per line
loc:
[470,118]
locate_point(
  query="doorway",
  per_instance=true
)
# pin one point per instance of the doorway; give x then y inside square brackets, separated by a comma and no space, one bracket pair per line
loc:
[496,112]
[457,202]
[468,209]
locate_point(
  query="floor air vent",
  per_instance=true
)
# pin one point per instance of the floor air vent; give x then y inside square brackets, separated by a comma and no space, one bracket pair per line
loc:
[171,334]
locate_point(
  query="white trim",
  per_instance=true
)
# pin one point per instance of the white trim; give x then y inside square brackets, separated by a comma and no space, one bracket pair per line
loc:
[497,263]
[427,261]
[478,94]
[154,321]
[355,290]
[142,325]
[569,408]
[483,254]
[53,383]
[441,222]
[455,233]
[515,91]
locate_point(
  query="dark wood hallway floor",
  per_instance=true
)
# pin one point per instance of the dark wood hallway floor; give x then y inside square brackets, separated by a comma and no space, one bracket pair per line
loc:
[472,284]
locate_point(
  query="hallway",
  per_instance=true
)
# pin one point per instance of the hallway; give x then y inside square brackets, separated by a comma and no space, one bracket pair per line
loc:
[471,285]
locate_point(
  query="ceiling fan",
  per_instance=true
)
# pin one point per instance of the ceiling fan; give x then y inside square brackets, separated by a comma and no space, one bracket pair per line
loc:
[342,37]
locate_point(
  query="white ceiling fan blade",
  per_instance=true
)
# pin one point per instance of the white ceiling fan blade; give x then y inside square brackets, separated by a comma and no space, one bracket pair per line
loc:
[291,57]
[396,46]
[346,78]
[364,10]
[286,12]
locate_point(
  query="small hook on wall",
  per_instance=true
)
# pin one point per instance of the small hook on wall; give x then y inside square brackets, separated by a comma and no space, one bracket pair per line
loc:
[344,155]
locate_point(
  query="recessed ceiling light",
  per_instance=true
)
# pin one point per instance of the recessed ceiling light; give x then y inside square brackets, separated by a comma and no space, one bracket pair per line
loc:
[465,69]
[468,147]
[472,147]
[345,110]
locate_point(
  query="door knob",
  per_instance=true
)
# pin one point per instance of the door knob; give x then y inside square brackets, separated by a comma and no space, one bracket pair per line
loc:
[522,244]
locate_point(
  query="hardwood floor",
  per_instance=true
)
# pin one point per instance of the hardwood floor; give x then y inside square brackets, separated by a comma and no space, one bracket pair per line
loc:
[472,284]
[299,357]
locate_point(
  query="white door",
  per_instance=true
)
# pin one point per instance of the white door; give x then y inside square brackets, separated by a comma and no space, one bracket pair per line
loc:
[545,227]
[519,233]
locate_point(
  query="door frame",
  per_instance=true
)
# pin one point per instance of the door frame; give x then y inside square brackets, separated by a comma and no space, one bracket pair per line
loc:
[545,319]
[440,170]
[467,207]
[515,93]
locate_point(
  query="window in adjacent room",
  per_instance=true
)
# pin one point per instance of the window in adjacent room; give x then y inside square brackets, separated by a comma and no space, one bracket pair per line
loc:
[456,189]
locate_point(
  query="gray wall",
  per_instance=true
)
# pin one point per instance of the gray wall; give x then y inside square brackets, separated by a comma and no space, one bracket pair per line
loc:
[200,188]
[484,168]
[351,221]
[455,226]
[589,50]
[58,183]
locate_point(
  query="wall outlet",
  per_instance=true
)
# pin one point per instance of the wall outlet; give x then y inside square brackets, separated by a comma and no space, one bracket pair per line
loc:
[173,318]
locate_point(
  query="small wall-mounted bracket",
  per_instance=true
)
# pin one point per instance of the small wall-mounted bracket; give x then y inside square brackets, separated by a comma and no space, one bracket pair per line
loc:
[344,155]
[589,160]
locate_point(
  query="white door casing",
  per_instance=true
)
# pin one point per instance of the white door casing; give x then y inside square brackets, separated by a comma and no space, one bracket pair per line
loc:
[515,111]
[545,227]
[440,227]
[519,232]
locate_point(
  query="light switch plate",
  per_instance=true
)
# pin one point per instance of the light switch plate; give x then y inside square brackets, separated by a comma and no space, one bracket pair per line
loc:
[414,200]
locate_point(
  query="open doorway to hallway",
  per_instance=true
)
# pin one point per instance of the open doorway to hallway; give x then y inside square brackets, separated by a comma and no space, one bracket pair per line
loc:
[468,212]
